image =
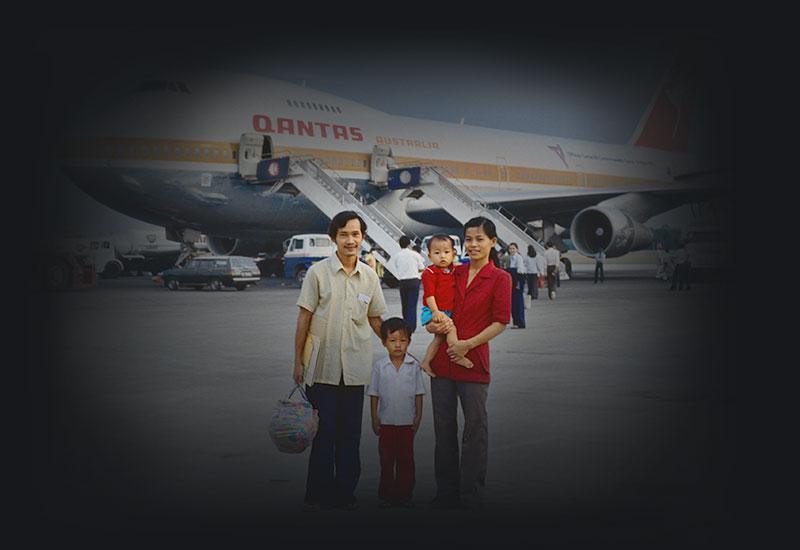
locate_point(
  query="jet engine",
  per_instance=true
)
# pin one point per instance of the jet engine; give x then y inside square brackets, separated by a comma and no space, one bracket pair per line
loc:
[227,246]
[609,229]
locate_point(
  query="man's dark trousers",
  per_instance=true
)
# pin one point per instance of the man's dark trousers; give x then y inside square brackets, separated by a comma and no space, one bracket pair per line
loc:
[598,269]
[409,296]
[335,465]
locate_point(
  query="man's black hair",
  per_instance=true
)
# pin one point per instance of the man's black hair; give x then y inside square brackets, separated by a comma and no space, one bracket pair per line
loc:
[393,324]
[404,241]
[341,219]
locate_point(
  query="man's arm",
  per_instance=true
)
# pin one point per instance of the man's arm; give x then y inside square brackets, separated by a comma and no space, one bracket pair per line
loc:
[300,335]
[463,346]
[375,323]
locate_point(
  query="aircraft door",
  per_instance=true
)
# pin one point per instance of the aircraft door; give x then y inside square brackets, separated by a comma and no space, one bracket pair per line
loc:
[252,149]
[502,171]
[380,162]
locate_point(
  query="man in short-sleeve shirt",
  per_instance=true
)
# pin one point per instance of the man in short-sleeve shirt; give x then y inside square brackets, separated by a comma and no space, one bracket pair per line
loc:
[341,304]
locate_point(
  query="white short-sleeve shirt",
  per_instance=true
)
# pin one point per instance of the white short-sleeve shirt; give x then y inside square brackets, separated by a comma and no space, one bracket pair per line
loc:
[396,390]
[406,264]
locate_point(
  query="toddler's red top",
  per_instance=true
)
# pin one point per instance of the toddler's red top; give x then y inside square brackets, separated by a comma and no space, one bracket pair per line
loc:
[441,284]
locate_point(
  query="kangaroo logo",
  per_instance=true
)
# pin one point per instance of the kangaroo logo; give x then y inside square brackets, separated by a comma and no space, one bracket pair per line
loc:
[560,152]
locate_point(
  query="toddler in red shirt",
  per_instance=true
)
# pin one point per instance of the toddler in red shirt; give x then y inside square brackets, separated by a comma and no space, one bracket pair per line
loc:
[439,289]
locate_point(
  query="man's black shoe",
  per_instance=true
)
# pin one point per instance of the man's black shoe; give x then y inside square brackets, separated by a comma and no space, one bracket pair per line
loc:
[445,503]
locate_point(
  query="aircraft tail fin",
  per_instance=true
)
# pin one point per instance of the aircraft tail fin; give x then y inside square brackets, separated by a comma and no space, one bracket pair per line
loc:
[665,123]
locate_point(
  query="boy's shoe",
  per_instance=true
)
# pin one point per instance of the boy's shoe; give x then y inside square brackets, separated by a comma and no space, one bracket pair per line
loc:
[349,505]
[384,504]
[405,504]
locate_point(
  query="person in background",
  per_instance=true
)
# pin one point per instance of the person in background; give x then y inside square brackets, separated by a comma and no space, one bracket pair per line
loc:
[502,259]
[662,260]
[406,266]
[369,258]
[680,275]
[599,258]
[553,258]
[541,266]
[532,272]
[516,267]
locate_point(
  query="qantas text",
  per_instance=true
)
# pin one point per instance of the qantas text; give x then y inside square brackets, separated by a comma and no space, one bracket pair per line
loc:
[263,123]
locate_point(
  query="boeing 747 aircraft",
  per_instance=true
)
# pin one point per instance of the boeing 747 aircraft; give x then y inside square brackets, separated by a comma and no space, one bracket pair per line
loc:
[193,154]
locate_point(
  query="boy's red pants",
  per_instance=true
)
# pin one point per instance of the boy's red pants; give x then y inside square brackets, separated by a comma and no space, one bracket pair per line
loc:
[396,450]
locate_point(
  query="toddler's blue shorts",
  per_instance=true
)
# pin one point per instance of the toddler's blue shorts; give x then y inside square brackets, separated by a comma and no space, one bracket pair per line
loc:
[425,315]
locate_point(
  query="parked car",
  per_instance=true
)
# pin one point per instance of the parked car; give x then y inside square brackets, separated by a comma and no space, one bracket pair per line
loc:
[215,272]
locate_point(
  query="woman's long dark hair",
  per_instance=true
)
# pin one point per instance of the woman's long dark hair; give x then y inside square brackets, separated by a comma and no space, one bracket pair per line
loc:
[488,228]
[531,251]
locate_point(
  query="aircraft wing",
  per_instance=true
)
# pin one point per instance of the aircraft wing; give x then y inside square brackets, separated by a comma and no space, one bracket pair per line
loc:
[561,206]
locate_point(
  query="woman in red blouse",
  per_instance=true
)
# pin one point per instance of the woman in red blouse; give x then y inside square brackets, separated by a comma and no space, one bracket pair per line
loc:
[481,311]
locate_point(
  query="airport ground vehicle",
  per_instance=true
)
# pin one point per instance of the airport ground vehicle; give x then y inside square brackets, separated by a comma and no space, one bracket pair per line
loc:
[215,272]
[67,264]
[302,251]
[708,248]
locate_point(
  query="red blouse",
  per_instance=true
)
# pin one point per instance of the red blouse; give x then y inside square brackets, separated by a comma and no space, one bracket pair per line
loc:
[485,301]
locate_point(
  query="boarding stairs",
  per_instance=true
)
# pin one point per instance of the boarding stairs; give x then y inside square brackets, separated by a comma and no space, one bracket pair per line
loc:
[464,204]
[331,194]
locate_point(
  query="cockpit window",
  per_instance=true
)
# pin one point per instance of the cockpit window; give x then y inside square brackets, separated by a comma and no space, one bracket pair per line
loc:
[164,86]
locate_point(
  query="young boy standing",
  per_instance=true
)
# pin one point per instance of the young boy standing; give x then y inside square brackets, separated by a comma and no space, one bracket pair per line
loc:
[396,391]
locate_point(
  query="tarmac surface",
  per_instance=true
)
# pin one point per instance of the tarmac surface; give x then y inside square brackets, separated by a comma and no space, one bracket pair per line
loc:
[608,420]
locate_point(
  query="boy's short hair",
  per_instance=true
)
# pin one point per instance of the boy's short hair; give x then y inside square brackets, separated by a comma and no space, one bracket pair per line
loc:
[393,324]
[442,237]
[404,241]
[341,219]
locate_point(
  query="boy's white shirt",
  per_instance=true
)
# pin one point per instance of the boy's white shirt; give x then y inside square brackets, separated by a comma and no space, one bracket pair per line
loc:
[396,389]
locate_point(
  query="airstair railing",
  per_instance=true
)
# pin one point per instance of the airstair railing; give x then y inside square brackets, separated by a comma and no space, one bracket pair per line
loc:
[332,182]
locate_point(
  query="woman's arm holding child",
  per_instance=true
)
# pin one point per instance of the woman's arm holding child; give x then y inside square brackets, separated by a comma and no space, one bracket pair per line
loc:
[463,346]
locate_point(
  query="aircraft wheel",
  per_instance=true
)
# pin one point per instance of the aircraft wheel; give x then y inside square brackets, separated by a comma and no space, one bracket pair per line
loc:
[58,275]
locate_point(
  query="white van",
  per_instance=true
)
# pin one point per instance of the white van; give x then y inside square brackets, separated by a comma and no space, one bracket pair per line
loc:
[304,250]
